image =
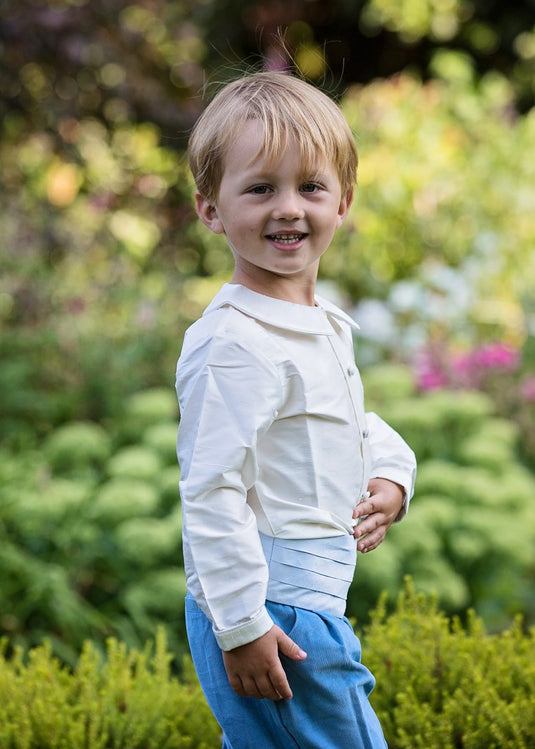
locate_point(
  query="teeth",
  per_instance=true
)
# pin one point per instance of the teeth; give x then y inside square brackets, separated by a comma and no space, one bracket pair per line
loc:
[289,238]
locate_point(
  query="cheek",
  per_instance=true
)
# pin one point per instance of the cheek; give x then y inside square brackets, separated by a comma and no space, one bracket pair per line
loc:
[240,223]
[249,229]
[240,232]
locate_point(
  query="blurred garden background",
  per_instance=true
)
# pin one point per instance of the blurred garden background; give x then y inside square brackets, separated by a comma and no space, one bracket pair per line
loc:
[103,266]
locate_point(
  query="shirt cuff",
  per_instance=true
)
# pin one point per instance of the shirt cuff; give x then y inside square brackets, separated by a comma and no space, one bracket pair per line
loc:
[244,633]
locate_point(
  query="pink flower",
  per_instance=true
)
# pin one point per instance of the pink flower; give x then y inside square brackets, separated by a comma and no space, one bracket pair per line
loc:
[497,356]
[430,376]
[432,381]
[462,368]
[438,367]
[527,388]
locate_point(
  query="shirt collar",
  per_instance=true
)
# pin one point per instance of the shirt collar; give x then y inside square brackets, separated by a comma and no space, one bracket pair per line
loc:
[281,314]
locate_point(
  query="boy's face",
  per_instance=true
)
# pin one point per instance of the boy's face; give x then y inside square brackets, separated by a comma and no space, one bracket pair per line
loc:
[277,220]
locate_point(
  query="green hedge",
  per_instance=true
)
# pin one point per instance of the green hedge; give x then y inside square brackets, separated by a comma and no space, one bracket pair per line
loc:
[129,700]
[439,686]
[442,686]
[90,532]
[90,523]
[469,536]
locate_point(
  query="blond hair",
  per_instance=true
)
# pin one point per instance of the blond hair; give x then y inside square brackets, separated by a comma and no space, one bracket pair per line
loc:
[288,108]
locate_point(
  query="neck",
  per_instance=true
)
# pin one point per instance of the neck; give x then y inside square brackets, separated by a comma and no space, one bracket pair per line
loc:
[287,289]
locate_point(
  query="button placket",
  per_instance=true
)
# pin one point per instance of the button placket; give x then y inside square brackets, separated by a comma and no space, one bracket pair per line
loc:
[355,395]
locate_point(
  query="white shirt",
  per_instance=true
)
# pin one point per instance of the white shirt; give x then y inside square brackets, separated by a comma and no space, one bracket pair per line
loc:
[273,437]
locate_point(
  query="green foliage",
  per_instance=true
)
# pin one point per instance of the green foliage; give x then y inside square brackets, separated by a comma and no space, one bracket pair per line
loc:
[439,685]
[76,446]
[129,700]
[116,264]
[122,498]
[162,439]
[443,182]
[149,409]
[90,526]
[88,311]
[469,537]
[90,532]
[137,461]
[103,265]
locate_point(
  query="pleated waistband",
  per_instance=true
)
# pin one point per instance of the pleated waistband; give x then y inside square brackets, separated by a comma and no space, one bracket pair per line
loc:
[312,574]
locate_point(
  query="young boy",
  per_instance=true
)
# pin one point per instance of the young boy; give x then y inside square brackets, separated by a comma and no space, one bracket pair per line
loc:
[281,468]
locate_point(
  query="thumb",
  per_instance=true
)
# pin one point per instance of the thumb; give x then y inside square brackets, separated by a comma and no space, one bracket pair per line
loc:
[290,648]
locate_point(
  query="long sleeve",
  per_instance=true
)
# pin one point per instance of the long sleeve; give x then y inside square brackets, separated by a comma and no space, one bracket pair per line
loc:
[228,397]
[391,457]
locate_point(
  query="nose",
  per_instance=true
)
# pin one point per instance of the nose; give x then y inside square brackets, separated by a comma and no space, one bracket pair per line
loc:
[288,206]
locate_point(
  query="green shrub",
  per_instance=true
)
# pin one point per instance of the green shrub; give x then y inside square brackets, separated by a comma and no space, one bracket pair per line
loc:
[36,513]
[469,536]
[157,595]
[388,382]
[435,423]
[440,686]
[86,551]
[148,540]
[128,701]
[123,498]
[161,438]
[135,462]
[74,544]
[77,445]
[146,409]
[168,483]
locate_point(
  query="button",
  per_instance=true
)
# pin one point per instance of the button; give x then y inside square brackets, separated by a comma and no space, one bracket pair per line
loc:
[365,434]
[351,371]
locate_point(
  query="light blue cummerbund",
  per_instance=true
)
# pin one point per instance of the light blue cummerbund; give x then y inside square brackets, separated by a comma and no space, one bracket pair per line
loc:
[312,574]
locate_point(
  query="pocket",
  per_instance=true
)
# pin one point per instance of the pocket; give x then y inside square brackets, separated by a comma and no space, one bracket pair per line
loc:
[284,616]
[191,606]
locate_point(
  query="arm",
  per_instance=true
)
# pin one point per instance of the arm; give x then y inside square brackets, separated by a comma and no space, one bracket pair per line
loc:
[391,486]
[227,400]
[221,419]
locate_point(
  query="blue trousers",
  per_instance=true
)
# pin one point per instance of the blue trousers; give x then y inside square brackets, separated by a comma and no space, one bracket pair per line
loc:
[330,707]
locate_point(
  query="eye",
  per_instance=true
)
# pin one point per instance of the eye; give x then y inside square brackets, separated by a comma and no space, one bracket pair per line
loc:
[259,190]
[310,187]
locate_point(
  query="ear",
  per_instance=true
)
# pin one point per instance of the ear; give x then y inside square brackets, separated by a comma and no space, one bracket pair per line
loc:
[207,212]
[345,204]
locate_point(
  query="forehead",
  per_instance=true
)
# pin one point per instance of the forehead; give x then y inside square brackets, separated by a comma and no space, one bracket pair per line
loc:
[254,147]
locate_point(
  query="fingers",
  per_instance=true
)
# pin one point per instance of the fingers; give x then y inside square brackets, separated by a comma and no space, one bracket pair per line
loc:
[280,685]
[377,513]
[262,687]
[371,531]
[255,669]
[289,648]
[271,686]
[371,541]
[277,684]
[370,506]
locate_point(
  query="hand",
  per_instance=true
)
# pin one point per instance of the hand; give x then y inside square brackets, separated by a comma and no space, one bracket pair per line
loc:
[381,508]
[255,669]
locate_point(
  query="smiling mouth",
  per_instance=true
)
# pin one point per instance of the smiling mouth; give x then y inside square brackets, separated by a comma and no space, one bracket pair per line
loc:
[287,238]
